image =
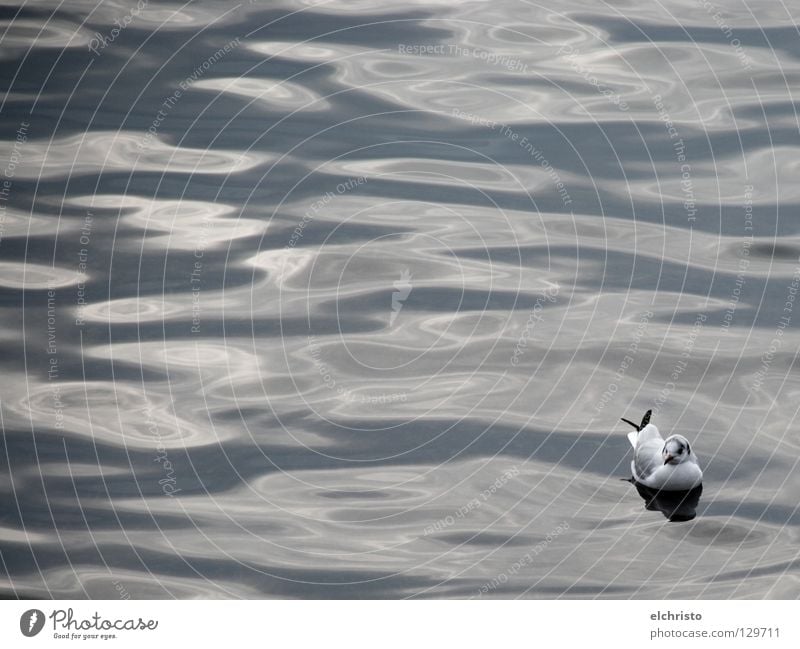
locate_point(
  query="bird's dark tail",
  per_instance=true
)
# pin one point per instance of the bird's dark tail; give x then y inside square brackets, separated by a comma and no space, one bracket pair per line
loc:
[645,420]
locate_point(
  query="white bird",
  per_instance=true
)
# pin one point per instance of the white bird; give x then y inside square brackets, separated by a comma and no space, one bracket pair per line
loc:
[662,464]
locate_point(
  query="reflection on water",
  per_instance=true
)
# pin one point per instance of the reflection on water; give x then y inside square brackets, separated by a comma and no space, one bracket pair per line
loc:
[345,299]
[677,506]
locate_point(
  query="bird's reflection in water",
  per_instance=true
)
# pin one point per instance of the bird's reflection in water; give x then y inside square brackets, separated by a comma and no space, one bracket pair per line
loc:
[677,506]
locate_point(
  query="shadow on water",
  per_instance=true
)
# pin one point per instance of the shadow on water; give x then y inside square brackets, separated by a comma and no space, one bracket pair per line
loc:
[677,506]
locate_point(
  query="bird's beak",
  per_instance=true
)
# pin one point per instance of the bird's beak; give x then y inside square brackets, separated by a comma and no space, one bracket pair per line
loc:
[668,458]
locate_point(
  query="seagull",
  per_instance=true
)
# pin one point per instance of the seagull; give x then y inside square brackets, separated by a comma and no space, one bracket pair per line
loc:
[668,464]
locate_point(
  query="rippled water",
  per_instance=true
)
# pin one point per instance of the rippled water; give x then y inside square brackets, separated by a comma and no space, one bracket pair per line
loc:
[345,299]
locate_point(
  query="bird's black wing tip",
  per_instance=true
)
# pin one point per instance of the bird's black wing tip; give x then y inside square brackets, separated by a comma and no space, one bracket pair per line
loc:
[628,421]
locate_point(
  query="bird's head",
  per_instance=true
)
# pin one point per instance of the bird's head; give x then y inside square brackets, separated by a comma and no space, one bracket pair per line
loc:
[676,450]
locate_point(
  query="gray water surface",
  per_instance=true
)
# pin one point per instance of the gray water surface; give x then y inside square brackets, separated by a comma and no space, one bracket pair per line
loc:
[345,299]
